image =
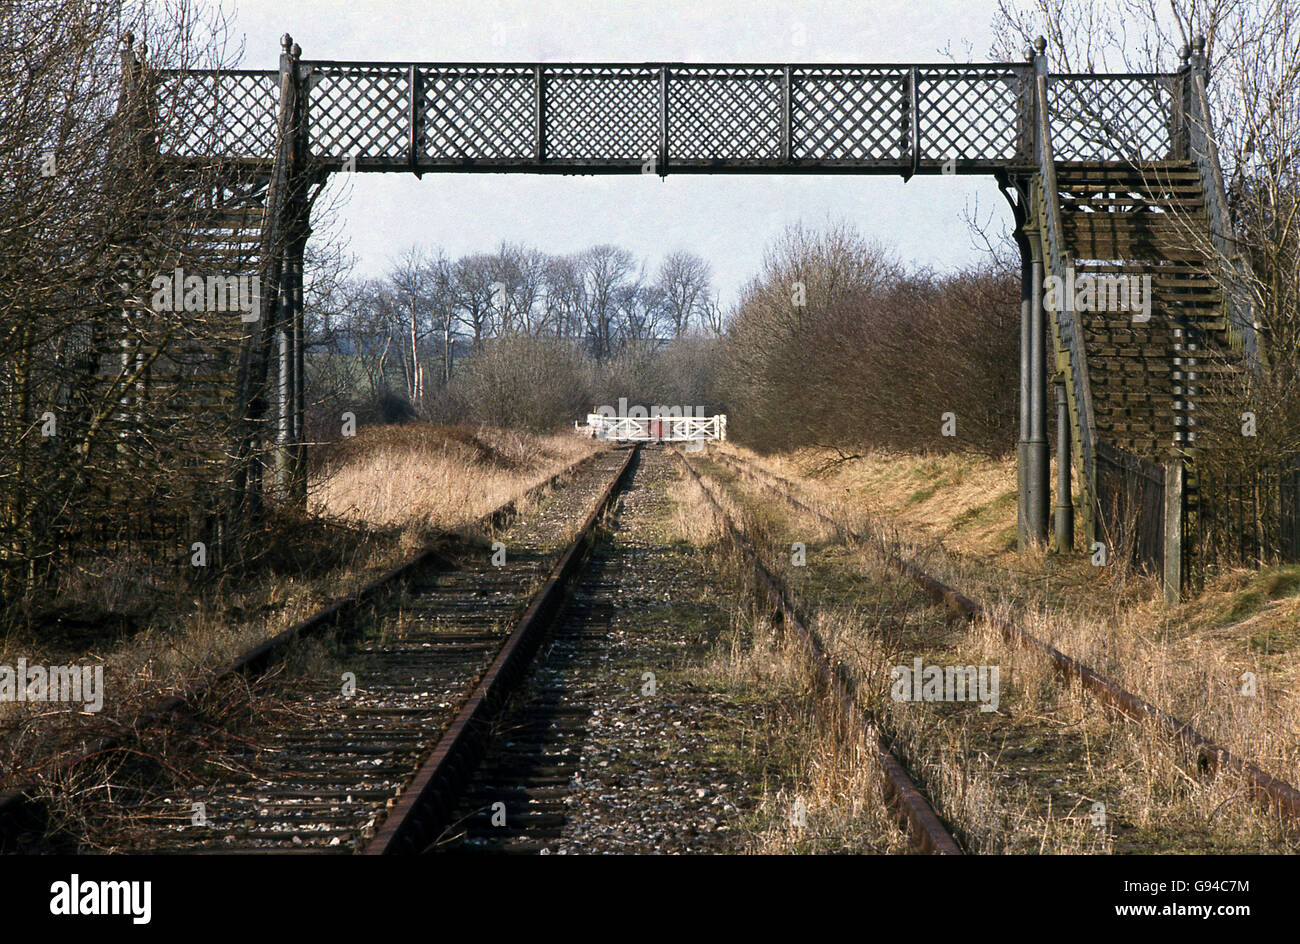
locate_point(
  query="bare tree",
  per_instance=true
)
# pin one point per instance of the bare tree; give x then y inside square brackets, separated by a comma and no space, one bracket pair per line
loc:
[641,315]
[713,320]
[530,306]
[112,420]
[410,286]
[605,271]
[375,325]
[473,279]
[807,277]
[564,296]
[440,287]
[685,281]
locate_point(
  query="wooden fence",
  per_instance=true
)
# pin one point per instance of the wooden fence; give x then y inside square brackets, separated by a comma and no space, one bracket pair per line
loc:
[1247,519]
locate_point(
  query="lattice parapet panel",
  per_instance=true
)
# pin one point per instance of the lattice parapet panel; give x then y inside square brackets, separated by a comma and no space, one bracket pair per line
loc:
[359,110]
[732,114]
[470,114]
[217,114]
[1112,117]
[847,115]
[600,113]
[972,114]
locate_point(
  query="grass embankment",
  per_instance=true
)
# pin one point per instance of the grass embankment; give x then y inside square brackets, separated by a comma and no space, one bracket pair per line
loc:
[434,478]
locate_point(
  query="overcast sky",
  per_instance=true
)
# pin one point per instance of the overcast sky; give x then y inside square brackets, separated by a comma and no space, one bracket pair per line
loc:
[727,219]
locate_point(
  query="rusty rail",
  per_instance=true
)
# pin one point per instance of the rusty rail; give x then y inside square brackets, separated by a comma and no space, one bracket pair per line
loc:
[1210,757]
[425,806]
[927,829]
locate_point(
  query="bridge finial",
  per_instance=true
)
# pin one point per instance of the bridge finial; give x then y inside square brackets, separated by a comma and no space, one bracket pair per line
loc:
[286,41]
[1040,45]
[297,51]
[1184,52]
[128,39]
[1198,44]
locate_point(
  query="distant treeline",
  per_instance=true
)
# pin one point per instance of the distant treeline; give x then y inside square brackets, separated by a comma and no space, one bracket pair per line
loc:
[517,337]
[833,343]
[836,344]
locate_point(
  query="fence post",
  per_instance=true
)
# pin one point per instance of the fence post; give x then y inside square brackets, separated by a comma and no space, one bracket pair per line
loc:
[414,118]
[787,120]
[1290,489]
[1174,506]
[1181,106]
[539,114]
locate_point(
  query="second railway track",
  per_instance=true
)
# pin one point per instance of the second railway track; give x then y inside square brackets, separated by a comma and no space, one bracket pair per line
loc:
[555,780]
[1282,798]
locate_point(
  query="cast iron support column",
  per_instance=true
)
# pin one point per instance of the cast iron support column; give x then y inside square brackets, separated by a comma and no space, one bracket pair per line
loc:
[298,486]
[1038,466]
[1064,501]
[1022,441]
[288,455]
[1039,455]
[258,376]
[283,463]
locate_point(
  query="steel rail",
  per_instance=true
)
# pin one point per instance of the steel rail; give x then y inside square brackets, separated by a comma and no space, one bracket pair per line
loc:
[1210,757]
[926,828]
[424,807]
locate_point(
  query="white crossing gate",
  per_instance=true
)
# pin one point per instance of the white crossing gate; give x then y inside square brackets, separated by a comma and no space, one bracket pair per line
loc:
[655,428]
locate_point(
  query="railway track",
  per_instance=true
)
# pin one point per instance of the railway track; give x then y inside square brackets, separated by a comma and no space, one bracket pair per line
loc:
[522,797]
[424,810]
[1209,757]
[413,760]
[436,727]
[319,772]
[563,773]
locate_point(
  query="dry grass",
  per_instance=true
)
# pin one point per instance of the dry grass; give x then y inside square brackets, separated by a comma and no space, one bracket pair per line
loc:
[958,511]
[966,501]
[1189,659]
[434,478]
[835,802]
